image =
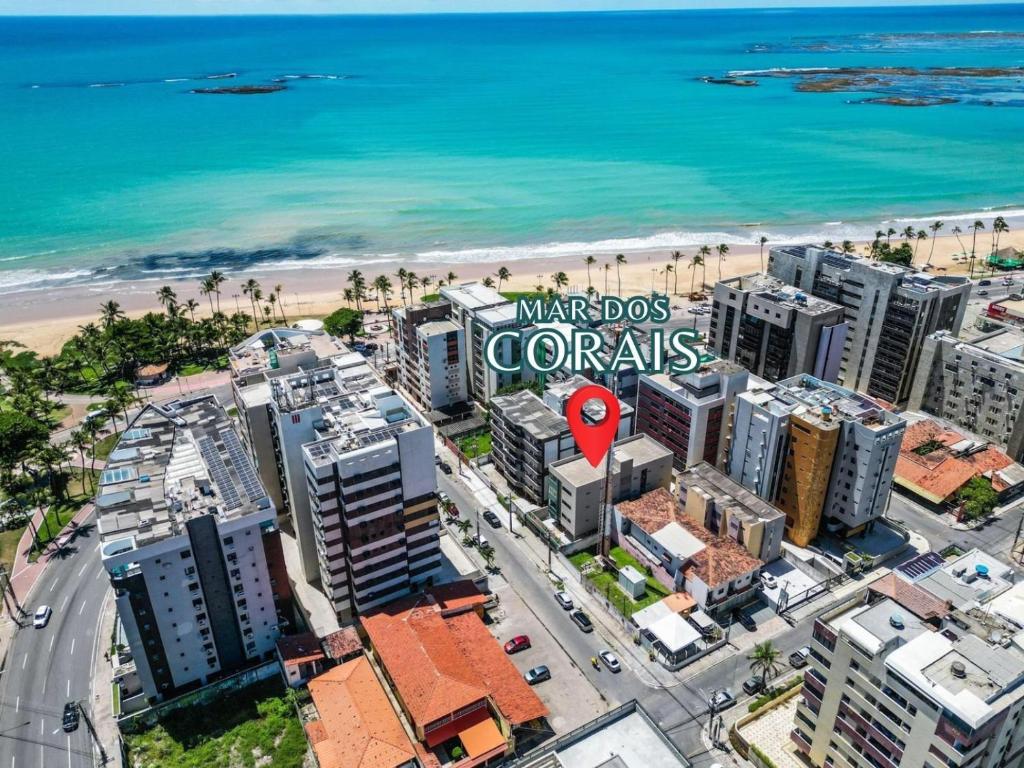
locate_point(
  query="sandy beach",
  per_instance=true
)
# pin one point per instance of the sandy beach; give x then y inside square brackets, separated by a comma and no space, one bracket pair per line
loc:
[44,320]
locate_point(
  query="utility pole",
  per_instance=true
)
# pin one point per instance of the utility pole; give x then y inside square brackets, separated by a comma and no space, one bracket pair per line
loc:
[1017,550]
[92,732]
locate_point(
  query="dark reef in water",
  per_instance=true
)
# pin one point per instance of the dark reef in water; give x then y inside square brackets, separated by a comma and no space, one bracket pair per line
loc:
[241,90]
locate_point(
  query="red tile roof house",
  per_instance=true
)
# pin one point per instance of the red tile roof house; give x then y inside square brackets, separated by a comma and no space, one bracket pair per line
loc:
[461,694]
[301,658]
[715,570]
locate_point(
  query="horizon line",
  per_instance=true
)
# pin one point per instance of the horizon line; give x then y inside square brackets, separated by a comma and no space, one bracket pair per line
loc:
[898,4]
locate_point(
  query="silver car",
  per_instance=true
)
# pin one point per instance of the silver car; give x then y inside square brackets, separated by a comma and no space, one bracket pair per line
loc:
[42,616]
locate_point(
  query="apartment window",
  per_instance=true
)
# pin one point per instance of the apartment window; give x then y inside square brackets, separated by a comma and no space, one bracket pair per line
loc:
[186,554]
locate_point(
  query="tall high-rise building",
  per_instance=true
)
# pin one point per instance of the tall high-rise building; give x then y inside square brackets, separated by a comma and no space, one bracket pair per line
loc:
[774,330]
[822,453]
[371,481]
[976,384]
[185,527]
[431,355]
[690,413]
[889,310]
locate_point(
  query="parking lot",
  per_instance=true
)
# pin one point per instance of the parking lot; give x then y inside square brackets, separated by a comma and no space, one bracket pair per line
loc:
[571,698]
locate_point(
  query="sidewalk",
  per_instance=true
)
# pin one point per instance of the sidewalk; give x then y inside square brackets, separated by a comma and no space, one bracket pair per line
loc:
[101,701]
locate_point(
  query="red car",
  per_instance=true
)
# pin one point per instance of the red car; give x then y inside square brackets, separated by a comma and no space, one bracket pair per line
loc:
[516,644]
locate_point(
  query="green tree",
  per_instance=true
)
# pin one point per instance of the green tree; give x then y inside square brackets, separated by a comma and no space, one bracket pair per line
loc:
[761,241]
[344,322]
[503,276]
[935,227]
[978,498]
[974,241]
[677,256]
[764,661]
[19,435]
[589,261]
[722,249]
[560,280]
[620,259]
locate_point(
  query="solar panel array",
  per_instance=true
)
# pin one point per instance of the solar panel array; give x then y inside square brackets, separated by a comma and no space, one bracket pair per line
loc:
[217,468]
[243,467]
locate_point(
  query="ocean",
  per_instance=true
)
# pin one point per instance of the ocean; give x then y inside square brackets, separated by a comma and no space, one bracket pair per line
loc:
[454,138]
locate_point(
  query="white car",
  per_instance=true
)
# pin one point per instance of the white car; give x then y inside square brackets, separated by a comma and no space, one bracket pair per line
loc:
[42,616]
[768,581]
[609,660]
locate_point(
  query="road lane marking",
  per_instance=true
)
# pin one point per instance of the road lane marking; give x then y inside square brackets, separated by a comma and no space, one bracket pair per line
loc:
[52,638]
[24,661]
[42,731]
[99,573]
[81,609]
[83,569]
[69,750]
[17,704]
[65,603]
[53,585]
[72,651]
[68,694]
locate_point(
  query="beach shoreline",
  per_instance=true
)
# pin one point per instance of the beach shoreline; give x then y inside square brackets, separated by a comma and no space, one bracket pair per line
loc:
[56,313]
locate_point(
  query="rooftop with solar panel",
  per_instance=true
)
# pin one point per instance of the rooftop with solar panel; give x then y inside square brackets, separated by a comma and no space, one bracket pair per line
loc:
[176,461]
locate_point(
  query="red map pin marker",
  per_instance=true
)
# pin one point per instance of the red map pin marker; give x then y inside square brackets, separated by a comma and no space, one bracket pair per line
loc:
[593,439]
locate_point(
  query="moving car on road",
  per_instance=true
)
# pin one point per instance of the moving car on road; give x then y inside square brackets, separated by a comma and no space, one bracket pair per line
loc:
[720,700]
[564,600]
[537,675]
[492,518]
[70,720]
[42,616]
[582,621]
[609,660]
[517,643]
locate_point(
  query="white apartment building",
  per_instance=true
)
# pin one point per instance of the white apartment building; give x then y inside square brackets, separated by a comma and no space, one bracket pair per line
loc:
[885,688]
[371,478]
[441,379]
[184,526]
[557,394]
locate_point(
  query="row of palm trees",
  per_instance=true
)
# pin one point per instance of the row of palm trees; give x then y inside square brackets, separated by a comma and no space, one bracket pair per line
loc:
[358,291]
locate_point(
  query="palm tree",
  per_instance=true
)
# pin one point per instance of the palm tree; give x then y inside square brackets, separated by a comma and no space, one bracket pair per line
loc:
[217,279]
[487,553]
[412,280]
[111,314]
[249,288]
[978,224]
[272,301]
[192,305]
[425,283]
[761,241]
[888,234]
[908,234]
[935,231]
[999,227]
[619,261]
[590,260]
[452,277]
[79,439]
[705,253]
[695,261]
[764,661]
[277,292]
[464,527]
[401,275]
[848,247]
[488,282]
[828,244]
[607,268]
[921,235]
[677,256]
[349,296]
[206,289]
[722,249]
[503,275]
[560,279]
[956,233]
[167,298]
[384,287]
[358,282]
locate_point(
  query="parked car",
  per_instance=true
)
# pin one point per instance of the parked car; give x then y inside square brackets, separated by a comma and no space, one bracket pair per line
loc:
[537,675]
[492,519]
[517,644]
[42,616]
[798,658]
[446,468]
[481,541]
[1016,297]
[582,621]
[983,293]
[609,660]
[753,684]
[444,498]
[70,720]
[564,600]
[746,620]
[721,700]
[768,581]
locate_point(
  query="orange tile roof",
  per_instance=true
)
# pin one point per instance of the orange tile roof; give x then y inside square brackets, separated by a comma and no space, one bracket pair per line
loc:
[300,649]
[512,696]
[423,660]
[721,560]
[918,601]
[679,602]
[344,642]
[441,664]
[939,474]
[457,596]
[358,728]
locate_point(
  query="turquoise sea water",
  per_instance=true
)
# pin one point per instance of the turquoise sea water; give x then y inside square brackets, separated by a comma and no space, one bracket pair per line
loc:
[453,138]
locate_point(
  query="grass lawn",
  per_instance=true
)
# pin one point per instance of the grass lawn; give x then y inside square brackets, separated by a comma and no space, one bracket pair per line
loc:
[608,585]
[254,727]
[475,445]
[9,546]
[105,446]
[60,513]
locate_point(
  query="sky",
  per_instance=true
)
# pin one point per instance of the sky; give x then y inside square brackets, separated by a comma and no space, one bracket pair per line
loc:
[218,7]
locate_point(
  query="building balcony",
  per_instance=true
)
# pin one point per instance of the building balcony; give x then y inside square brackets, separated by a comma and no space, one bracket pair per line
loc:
[801,741]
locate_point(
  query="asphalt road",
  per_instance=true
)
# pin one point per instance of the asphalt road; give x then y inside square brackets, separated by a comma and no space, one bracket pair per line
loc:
[47,667]
[680,709]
